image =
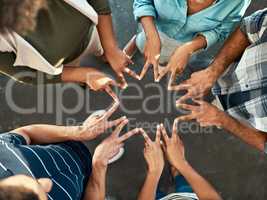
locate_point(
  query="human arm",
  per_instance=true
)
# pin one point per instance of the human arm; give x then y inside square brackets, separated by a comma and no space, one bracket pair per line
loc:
[154,157]
[209,115]
[89,130]
[175,153]
[201,82]
[152,46]
[96,186]
[95,79]
[180,59]
[145,13]
[118,60]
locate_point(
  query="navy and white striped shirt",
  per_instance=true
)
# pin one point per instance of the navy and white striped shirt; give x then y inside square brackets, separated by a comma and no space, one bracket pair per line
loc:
[67,164]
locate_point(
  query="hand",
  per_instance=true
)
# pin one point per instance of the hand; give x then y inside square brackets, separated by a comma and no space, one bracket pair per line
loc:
[177,63]
[111,146]
[96,125]
[173,146]
[204,113]
[119,62]
[199,85]
[97,80]
[153,154]
[152,55]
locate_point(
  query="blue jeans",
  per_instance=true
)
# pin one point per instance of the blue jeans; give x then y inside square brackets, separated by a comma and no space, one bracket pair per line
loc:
[181,186]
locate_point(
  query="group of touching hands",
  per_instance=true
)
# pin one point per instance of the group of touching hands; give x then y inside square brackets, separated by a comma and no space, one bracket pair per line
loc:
[96,125]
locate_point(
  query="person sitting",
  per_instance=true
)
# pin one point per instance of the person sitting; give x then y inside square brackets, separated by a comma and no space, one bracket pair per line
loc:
[237,77]
[180,33]
[53,36]
[40,162]
[189,185]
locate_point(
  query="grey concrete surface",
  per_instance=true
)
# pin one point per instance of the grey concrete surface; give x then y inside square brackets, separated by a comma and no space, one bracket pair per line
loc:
[236,170]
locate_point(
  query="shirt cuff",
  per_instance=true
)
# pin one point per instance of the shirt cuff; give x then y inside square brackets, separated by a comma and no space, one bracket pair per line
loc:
[211,37]
[147,11]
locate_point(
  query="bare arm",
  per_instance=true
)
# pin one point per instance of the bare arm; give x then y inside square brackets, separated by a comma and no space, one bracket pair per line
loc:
[92,127]
[149,188]
[75,74]
[106,34]
[149,27]
[209,115]
[233,49]
[96,187]
[248,134]
[45,134]
[155,160]
[200,186]
[175,152]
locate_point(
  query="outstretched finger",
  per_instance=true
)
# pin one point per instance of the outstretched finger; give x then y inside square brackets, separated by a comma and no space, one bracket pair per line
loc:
[172,80]
[113,108]
[164,133]
[200,102]
[180,87]
[175,128]
[131,73]
[119,128]
[123,83]
[156,70]
[115,122]
[158,134]
[146,137]
[162,73]
[144,70]
[187,107]
[131,133]
[187,117]
[129,60]
[187,96]
[111,93]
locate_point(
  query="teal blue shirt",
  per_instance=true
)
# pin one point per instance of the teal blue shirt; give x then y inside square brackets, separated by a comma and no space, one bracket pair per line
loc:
[215,22]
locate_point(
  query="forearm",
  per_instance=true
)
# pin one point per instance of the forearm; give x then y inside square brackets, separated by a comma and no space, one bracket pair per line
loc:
[75,74]
[47,134]
[200,186]
[96,187]
[149,27]
[148,191]
[233,49]
[248,134]
[106,34]
[197,43]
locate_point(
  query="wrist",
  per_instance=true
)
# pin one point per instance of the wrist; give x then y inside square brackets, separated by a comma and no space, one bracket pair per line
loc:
[213,75]
[154,174]
[99,164]
[181,165]
[226,121]
[111,50]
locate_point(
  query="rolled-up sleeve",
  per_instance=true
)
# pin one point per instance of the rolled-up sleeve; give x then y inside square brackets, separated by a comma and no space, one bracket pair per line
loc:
[102,7]
[229,16]
[143,8]
[255,26]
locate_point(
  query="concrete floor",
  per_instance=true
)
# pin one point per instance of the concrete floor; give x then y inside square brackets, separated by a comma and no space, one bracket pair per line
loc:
[235,169]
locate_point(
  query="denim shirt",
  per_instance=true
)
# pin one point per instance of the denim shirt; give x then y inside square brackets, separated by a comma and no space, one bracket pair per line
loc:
[215,22]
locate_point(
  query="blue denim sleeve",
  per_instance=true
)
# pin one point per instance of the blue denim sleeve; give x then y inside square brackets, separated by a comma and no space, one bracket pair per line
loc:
[144,8]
